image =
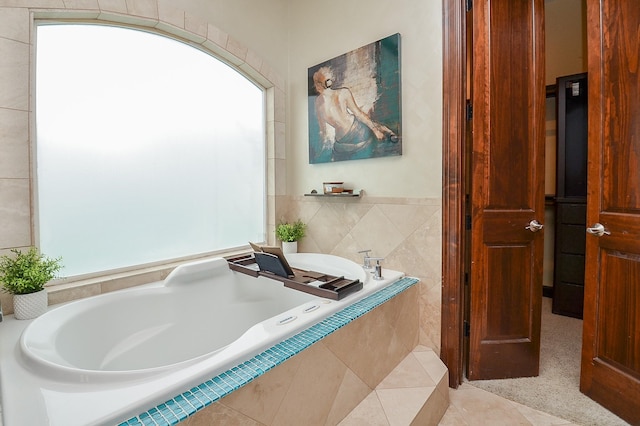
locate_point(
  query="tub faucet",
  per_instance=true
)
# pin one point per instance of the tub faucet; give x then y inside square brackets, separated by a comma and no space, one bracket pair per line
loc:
[366,262]
[377,273]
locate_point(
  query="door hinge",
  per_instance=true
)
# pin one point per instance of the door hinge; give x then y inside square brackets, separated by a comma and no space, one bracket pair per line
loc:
[469,111]
[467,329]
[467,222]
[466,278]
[468,5]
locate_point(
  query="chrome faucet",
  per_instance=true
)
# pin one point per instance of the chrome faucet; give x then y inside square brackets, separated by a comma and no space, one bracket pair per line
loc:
[366,262]
[377,273]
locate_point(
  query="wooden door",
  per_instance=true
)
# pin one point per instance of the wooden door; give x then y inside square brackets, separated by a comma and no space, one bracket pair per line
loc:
[611,339]
[507,188]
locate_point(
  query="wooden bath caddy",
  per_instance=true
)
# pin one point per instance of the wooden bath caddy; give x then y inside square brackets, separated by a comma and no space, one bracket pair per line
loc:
[332,287]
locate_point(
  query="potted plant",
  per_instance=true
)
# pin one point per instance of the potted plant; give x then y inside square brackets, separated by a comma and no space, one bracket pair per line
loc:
[24,275]
[289,234]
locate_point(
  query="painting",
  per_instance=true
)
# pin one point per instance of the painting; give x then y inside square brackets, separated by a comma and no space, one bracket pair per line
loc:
[355,104]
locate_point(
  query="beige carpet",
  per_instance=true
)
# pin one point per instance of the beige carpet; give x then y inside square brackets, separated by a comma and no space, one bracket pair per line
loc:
[556,390]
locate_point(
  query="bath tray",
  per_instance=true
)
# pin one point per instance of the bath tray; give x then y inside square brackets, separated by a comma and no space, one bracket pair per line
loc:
[332,287]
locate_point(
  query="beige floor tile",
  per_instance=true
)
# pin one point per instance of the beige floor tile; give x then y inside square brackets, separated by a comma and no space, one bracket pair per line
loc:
[538,418]
[453,417]
[395,404]
[484,408]
[368,413]
[469,407]
[432,364]
[408,374]
[403,404]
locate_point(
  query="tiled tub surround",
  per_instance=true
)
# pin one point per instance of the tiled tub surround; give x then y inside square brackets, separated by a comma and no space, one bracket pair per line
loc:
[330,368]
[35,391]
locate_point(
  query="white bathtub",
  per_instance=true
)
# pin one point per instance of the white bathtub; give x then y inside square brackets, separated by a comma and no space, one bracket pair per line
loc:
[102,359]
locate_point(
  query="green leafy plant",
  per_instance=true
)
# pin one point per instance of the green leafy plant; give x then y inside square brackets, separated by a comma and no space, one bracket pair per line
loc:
[27,272]
[289,232]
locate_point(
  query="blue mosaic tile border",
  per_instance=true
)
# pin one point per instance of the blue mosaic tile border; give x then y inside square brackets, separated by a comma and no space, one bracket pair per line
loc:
[179,408]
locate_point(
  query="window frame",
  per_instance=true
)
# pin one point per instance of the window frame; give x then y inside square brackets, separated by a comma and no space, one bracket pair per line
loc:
[273,94]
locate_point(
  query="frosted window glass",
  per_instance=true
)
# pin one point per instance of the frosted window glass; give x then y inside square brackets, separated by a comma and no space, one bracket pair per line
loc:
[147,149]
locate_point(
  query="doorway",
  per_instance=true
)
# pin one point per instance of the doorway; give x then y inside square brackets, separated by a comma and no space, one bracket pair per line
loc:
[456,176]
[610,361]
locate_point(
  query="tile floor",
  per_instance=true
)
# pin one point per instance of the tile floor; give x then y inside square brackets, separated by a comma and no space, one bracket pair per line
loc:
[411,395]
[470,406]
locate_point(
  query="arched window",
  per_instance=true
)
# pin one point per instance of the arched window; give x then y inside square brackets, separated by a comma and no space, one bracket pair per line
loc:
[147,149]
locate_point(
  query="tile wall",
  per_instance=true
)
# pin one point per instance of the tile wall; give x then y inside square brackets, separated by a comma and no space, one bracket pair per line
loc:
[405,232]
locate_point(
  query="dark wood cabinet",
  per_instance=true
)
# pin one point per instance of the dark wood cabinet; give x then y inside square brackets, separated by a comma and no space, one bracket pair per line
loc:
[571,195]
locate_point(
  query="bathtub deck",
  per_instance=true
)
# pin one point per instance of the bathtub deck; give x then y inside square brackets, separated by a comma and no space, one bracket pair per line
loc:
[188,403]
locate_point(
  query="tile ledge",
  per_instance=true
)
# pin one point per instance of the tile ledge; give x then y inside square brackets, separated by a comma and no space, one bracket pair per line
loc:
[429,403]
[370,199]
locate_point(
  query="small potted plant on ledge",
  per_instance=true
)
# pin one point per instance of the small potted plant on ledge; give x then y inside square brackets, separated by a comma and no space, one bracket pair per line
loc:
[289,234]
[24,275]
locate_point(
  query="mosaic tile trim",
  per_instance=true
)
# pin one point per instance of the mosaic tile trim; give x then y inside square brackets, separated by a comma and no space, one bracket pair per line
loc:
[179,408]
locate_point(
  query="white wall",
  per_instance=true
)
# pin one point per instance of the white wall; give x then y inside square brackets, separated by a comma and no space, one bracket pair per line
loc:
[565,38]
[322,31]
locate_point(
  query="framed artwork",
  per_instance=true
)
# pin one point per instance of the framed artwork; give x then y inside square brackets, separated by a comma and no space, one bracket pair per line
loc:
[355,104]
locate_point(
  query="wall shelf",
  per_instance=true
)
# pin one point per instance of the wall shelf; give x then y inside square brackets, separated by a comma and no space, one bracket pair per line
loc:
[336,194]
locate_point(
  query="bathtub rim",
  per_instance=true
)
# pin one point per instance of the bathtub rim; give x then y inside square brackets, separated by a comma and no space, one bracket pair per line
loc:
[60,369]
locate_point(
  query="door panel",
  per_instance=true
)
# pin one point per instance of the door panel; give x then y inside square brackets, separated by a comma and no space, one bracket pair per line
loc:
[507,188]
[507,264]
[615,342]
[611,339]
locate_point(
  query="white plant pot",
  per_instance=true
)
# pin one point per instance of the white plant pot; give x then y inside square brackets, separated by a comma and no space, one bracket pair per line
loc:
[289,247]
[28,306]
